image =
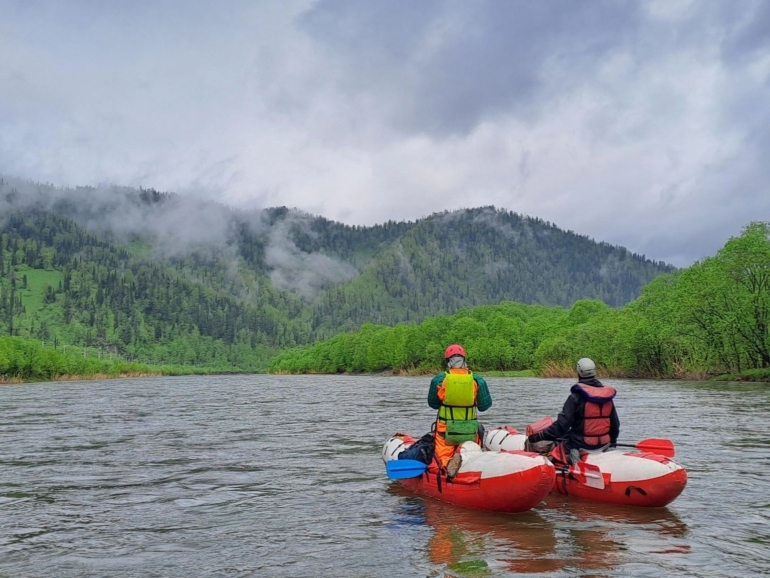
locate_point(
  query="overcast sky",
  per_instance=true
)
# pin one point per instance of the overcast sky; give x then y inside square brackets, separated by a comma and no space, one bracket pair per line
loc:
[644,124]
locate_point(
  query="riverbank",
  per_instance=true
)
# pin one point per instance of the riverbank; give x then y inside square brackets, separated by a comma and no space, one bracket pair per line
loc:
[146,371]
[567,372]
[560,371]
[25,360]
[760,375]
[12,380]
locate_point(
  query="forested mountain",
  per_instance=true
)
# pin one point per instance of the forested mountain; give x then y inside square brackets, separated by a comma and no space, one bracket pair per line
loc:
[711,318]
[60,282]
[166,277]
[483,256]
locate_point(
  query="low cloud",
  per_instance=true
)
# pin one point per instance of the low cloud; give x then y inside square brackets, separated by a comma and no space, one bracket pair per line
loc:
[179,226]
[307,274]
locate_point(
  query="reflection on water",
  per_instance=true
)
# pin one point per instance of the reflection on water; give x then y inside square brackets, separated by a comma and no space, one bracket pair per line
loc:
[281,476]
[560,537]
[470,539]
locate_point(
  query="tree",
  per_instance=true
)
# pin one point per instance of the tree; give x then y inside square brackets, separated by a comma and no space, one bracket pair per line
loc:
[746,262]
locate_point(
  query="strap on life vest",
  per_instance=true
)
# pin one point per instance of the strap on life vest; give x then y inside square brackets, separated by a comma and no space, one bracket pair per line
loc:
[601,394]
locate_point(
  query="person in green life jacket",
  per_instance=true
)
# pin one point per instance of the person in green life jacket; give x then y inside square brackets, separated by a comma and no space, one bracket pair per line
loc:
[457,394]
[588,420]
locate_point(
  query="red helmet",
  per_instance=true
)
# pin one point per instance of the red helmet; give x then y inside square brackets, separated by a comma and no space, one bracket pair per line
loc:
[454,349]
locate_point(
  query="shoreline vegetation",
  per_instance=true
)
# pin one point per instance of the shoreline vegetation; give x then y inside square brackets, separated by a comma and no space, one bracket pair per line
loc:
[24,360]
[709,321]
[559,373]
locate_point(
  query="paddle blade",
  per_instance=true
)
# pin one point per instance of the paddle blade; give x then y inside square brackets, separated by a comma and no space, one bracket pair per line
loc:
[657,446]
[400,469]
[588,474]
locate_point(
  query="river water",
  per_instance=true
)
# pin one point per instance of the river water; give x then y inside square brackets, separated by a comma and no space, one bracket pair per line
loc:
[281,476]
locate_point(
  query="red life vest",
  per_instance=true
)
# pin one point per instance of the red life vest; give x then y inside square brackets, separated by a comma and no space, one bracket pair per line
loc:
[598,409]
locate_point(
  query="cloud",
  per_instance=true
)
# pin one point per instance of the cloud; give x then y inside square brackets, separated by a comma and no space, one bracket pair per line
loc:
[641,124]
[463,64]
[176,227]
[307,274]
[179,226]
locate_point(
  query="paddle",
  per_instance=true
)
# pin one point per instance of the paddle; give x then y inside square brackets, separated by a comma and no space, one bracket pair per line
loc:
[587,474]
[653,445]
[400,469]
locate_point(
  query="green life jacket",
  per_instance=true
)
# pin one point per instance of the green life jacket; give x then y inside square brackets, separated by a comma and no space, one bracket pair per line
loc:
[458,409]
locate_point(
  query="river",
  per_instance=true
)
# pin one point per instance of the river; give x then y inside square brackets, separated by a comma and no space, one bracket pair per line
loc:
[281,476]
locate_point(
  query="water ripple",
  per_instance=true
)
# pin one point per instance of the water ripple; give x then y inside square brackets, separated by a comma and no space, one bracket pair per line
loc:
[281,476]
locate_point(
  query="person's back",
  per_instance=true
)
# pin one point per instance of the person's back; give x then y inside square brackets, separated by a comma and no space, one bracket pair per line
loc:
[588,419]
[457,394]
[596,420]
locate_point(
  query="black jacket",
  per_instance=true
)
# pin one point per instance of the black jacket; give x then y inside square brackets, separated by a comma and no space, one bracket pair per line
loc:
[569,424]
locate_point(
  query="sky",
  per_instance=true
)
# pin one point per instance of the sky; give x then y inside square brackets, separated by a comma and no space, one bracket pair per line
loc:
[642,124]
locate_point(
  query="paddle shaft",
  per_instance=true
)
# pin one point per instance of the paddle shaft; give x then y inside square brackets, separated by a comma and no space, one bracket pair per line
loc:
[659,446]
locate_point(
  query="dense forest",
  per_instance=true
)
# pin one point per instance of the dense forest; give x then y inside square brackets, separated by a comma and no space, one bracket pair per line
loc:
[483,256]
[712,318]
[161,279]
[65,285]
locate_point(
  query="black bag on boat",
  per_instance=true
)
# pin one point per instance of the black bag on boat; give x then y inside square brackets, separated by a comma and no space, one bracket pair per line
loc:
[421,450]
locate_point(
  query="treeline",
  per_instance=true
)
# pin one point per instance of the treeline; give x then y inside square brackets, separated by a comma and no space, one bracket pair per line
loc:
[27,360]
[712,318]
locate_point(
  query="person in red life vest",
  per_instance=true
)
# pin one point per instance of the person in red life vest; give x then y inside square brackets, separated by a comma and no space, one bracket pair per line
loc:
[457,394]
[588,420]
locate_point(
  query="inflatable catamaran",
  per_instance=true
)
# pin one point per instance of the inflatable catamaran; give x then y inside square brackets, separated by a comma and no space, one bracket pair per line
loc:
[642,474]
[503,477]
[503,481]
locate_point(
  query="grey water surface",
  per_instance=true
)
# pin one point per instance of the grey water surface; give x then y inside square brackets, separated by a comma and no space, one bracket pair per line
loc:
[281,476]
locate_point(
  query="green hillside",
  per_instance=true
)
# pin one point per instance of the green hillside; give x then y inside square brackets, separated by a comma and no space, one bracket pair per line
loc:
[164,279]
[483,256]
[712,318]
[61,284]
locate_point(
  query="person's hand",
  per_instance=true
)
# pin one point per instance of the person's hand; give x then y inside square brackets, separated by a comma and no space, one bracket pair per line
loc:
[528,445]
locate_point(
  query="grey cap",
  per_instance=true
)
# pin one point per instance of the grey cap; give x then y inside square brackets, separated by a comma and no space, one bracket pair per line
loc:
[586,367]
[456,362]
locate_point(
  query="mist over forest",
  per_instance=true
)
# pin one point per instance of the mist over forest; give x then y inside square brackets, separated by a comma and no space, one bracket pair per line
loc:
[176,226]
[159,276]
